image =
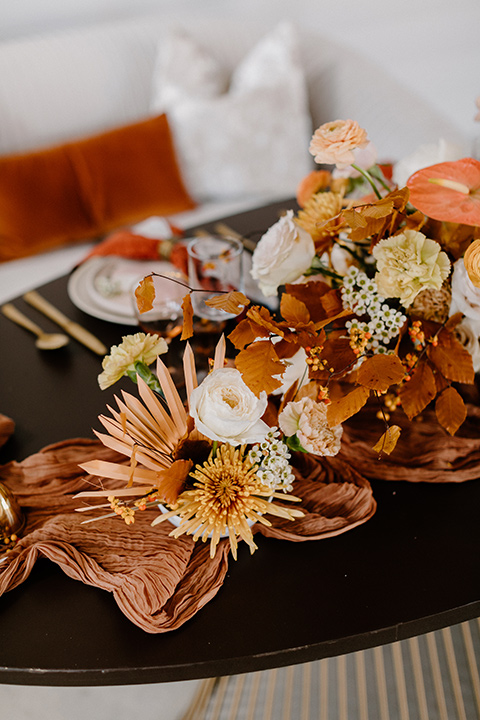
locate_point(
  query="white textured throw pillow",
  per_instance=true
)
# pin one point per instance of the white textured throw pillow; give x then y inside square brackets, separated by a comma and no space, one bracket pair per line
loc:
[250,139]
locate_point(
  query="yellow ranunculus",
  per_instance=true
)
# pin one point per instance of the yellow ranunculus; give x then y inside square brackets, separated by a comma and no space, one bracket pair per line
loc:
[471,261]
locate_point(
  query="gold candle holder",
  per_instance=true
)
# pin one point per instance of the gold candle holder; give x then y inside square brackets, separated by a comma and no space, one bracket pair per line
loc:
[12,519]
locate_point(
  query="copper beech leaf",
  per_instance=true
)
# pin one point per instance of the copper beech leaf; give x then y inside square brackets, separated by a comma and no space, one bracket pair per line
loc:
[450,410]
[294,311]
[419,390]
[245,333]
[145,294]
[187,308]
[452,359]
[388,441]
[380,371]
[258,364]
[232,302]
[340,410]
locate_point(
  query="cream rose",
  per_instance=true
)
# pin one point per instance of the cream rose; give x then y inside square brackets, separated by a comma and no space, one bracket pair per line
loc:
[282,255]
[424,156]
[225,409]
[408,263]
[333,143]
[307,420]
[468,336]
[465,296]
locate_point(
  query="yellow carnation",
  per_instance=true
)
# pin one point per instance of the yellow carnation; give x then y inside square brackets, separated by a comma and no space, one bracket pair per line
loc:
[133,348]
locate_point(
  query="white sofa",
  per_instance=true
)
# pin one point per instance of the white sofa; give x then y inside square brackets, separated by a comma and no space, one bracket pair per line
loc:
[78,82]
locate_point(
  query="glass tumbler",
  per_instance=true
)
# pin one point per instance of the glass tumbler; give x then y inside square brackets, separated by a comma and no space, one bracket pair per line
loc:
[214,266]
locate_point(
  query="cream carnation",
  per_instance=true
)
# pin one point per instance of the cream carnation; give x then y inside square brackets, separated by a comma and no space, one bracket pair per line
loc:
[225,409]
[307,420]
[407,264]
[282,255]
[122,358]
[333,143]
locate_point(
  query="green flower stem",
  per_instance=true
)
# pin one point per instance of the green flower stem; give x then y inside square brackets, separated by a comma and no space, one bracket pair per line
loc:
[369,179]
[147,375]
[214,448]
[378,175]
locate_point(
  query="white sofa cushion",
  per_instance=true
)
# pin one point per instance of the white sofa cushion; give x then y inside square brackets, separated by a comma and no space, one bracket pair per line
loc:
[252,138]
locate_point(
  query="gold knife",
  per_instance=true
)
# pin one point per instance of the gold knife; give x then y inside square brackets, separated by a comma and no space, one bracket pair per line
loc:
[72,328]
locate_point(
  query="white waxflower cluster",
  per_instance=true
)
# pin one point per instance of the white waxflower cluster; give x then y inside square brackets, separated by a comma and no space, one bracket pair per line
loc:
[360,294]
[272,457]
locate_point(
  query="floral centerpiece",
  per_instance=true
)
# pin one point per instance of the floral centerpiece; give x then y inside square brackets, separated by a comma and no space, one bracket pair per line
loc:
[380,304]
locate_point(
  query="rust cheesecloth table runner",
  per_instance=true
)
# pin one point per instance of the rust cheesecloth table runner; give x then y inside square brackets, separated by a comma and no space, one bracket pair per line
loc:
[158,582]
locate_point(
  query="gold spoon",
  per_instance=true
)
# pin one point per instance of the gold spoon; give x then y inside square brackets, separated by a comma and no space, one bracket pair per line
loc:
[44,341]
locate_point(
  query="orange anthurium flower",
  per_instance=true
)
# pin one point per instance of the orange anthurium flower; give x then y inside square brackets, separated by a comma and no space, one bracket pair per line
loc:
[448,191]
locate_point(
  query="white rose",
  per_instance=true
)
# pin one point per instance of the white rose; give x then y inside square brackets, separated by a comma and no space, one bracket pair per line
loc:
[423,157]
[308,421]
[282,255]
[225,409]
[465,296]
[467,335]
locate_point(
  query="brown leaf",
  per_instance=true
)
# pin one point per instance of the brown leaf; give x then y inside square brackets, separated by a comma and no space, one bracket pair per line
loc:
[294,311]
[145,294]
[451,358]
[450,410]
[453,321]
[262,317]
[232,302]
[388,440]
[419,391]
[258,364]
[338,355]
[187,308]
[311,294]
[380,371]
[375,218]
[340,410]
[245,333]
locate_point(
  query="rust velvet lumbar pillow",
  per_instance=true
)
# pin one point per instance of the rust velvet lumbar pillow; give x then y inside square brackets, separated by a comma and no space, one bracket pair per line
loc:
[86,188]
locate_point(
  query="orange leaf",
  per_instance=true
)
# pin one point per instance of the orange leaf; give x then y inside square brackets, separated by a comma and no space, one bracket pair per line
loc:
[145,294]
[340,410]
[388,440]
[232,302]
[419,391]
[258,364]
[245,333]
[450,410]
[262,317]
[294,311]
[380,371]
[187,308]
[452,359]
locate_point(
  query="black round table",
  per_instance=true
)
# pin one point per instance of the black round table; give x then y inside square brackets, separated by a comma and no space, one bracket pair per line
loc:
[411,569]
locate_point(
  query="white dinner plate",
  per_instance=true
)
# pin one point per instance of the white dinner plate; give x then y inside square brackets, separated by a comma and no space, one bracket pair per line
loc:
[102,286]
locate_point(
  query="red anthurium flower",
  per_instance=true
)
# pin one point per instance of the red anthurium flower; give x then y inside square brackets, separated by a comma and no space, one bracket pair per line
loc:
[448,191]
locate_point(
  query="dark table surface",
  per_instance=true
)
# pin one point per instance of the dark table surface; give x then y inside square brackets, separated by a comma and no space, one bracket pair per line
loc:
[412,568]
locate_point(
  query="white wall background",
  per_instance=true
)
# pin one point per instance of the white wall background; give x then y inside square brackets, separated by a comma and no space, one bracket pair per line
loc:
[430,46]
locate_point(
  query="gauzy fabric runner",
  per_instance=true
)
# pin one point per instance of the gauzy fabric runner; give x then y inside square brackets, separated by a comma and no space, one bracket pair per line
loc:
[158,582]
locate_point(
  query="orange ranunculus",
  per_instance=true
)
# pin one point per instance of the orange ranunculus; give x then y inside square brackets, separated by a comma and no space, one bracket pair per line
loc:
[448,191]
[471,260]
[333,143]
[312,183]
